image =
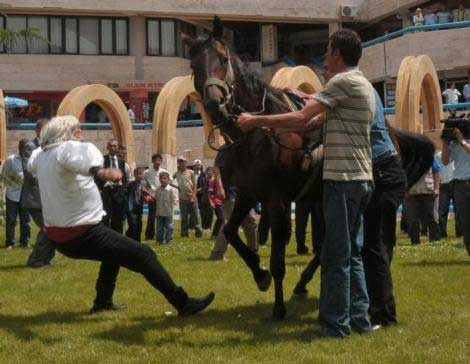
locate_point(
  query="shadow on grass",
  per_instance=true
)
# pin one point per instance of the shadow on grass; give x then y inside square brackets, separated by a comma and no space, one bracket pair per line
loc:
[8,268]
[28,328]
[253,322]
[440,263]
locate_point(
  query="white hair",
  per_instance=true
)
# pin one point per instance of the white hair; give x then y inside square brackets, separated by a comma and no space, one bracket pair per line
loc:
[58,130]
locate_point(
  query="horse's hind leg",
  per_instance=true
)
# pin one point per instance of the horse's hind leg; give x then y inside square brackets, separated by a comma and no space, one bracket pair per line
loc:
[281,225]
[240,211]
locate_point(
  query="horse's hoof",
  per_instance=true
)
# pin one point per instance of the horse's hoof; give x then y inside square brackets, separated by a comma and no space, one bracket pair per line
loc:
[279,313]
[265,281]
[300,291]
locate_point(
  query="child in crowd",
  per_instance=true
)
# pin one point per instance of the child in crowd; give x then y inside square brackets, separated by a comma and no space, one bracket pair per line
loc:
[216,203]
[166,201]
[136,204]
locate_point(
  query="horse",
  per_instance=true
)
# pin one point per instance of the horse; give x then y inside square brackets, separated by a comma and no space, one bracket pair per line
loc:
[271,167]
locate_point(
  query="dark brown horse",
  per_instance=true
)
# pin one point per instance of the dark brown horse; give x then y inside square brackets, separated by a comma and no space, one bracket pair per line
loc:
[265,166]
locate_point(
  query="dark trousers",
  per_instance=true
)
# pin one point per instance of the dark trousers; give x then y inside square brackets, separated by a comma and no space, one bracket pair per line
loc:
[150,229]
[134,220]
[115,205]
[446,195]
[207,214]
[43,250]
[420,208]
[462,200]
[13,209]
[377,252]
[219,214]
[114,251]
[303,209]
[190,217]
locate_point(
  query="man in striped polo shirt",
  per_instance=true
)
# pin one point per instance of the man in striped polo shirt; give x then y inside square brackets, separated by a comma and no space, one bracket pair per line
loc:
[349,105]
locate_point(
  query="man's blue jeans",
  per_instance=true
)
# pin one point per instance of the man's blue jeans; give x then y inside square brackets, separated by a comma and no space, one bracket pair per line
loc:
[344,302]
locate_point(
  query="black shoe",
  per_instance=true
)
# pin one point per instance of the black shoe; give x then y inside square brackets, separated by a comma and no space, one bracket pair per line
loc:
[107,307]
[195,305]
[38,265]
[302,250]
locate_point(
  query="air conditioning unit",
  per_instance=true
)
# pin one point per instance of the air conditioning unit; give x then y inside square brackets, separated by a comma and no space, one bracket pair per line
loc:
[348,11]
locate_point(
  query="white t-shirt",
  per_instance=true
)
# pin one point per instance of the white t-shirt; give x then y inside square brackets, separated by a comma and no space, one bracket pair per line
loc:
[152,178]
[131,114]
[68,192]
[452,96]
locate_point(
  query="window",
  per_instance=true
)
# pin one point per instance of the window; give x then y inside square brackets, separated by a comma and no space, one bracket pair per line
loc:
[163,37]
[38,45]
[107,36]
[55,35]
[69,34]
[89,36]
[15,24]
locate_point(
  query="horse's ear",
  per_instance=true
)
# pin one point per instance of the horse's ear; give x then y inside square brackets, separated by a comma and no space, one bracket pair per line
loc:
[217,28]
[187,39]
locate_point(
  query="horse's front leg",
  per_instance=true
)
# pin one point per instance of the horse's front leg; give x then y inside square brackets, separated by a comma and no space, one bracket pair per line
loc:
[280,230]
[240,210]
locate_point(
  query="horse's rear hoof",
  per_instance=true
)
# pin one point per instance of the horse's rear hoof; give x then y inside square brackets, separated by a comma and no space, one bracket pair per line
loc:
[279,313]
[264,281]
[300,291]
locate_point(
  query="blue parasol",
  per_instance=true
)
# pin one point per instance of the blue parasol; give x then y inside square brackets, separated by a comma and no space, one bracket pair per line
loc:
[15,102]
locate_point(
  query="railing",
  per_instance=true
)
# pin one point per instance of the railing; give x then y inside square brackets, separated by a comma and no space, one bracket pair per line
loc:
[412,29]
[460,106]
[107,126]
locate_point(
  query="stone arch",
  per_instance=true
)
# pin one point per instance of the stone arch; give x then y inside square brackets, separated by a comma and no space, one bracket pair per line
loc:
[166,115]
[417,85]
[300,77]
[77,99]
[3,129]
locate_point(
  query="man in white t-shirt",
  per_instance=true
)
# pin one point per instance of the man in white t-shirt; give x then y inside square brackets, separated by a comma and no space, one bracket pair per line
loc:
[466,92]
[131,114]
[452,95]
[73,210]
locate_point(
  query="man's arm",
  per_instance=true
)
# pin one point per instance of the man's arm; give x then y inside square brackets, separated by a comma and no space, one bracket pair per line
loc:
[437,182]
[290,120]
[445,153]
[193,179]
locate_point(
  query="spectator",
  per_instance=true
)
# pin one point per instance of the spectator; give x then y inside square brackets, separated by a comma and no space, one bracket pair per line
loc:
[151,183]
[444,16]
[466,92]
[421,205]
[43,251]
[189,210]
[418,18]
[458,151]
[452,94]
[136,205]
[73,211]
[446,195]
[207,212]
[114,194]
[461,14]
[166,202]
[200,180]
[131,114]
[215,203]
[13,177]
[123,155]
[430,17]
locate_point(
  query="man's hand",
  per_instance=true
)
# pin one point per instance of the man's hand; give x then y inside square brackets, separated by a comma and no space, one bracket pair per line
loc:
[246,122]
[109,174]
[458,135]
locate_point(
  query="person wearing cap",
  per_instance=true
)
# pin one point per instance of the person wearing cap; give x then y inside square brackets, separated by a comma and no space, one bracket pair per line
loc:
[187,188]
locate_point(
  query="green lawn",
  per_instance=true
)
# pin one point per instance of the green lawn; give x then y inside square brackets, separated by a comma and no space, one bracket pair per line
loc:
[43,313]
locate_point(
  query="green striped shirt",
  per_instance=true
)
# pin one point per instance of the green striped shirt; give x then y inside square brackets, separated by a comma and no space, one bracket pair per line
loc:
[350,100]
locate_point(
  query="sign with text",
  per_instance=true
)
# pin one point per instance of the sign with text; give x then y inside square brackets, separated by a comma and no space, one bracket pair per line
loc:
[268,43]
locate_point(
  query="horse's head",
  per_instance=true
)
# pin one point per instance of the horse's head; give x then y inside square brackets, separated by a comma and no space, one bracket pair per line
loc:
[212,71]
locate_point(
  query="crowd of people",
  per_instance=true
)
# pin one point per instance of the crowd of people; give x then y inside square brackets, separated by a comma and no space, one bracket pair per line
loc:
[439,13]
[82,200]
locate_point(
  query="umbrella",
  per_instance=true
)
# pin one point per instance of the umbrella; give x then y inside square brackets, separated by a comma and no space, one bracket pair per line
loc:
[15,102]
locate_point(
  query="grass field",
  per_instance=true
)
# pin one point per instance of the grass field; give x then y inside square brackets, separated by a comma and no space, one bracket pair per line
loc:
[43,313]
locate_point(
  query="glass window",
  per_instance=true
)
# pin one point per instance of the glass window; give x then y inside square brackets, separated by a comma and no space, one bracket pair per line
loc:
[180,27]
[71,36]
[153,37]
[89,36]
[55,38]
[121,36]
[15,24]
[107,36]
[2,23]
[168,38]
[38,45]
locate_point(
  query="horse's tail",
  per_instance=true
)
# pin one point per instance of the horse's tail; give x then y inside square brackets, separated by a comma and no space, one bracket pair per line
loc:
[416,150]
